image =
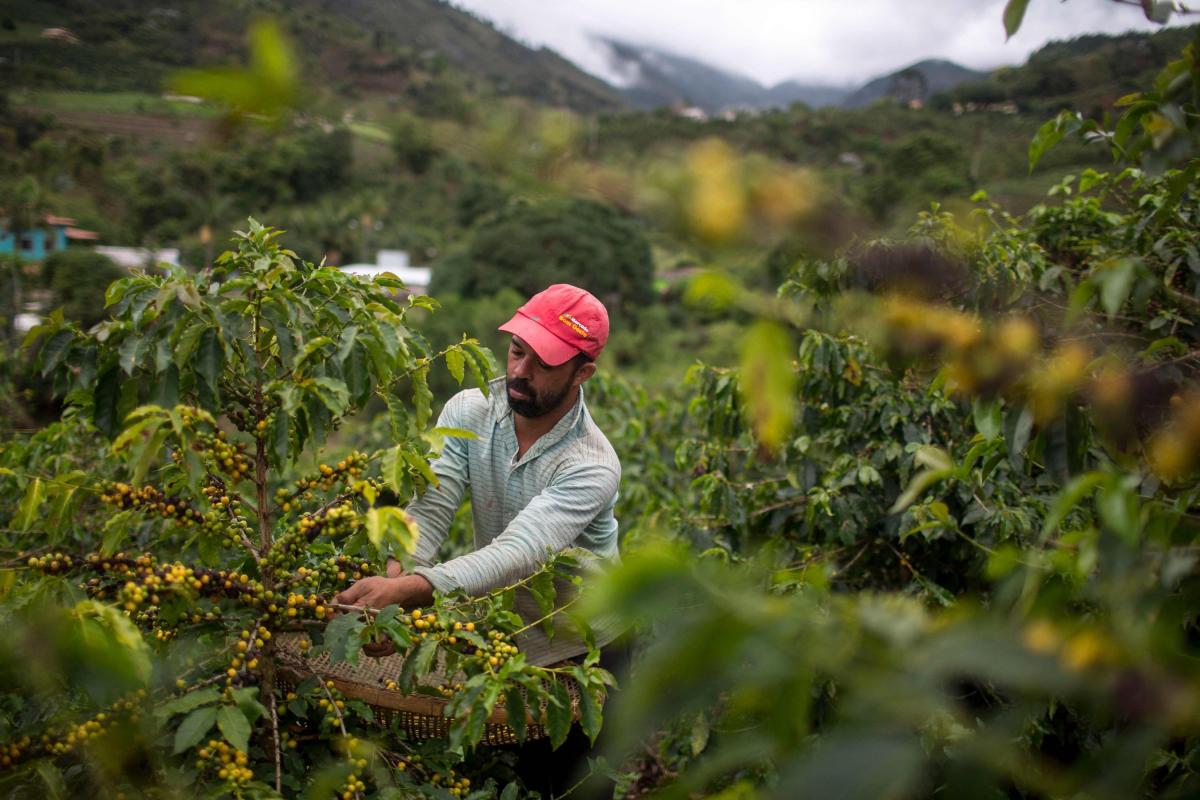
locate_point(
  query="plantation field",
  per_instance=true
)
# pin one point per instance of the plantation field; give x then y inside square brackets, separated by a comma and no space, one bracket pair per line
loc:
[906,406]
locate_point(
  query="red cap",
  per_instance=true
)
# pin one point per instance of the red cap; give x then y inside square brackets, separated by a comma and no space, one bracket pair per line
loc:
[560,322]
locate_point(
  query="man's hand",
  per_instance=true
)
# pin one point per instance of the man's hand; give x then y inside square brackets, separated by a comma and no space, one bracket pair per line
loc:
[377,592]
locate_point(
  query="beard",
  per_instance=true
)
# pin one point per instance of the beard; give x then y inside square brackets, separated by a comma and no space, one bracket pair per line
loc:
[534,405]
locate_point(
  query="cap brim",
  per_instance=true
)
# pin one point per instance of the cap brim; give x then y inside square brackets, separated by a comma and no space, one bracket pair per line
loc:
[549,348]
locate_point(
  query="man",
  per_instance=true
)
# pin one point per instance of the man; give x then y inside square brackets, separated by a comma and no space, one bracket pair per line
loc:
[542,476]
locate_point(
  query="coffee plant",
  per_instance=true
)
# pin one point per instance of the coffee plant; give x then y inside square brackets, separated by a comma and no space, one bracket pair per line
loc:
[181,523]
[936,534]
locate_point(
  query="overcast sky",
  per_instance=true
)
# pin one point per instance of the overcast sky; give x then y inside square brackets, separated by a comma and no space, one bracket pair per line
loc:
[815,41]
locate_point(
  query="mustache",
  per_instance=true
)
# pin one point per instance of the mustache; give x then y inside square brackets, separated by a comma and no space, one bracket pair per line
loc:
[521,385]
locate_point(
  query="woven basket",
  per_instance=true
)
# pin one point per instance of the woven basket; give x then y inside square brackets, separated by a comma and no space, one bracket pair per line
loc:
[420,716]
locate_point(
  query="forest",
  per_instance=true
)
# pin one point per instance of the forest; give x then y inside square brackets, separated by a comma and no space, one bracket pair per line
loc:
[905,400]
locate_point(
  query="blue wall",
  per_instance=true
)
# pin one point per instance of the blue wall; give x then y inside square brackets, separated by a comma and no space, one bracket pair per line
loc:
[38,243]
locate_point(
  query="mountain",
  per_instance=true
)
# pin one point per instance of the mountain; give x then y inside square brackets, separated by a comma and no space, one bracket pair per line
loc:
[424,50]
[659,78]
[1088,73]
[811,94]
[917,82]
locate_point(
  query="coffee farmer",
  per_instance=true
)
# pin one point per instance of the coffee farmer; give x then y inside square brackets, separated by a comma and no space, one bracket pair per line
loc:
[542,476]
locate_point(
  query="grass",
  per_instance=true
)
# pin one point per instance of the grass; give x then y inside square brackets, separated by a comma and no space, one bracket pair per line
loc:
[112,103]
[368,131]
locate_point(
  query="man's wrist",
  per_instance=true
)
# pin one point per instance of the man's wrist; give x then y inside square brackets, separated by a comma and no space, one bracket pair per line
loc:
[416,590]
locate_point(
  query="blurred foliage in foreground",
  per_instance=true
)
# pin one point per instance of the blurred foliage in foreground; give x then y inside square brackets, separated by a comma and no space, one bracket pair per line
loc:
[946,514]
[935,535]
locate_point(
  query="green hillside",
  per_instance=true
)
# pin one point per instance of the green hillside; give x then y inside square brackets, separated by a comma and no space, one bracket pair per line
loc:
[1087,73]
[419,51]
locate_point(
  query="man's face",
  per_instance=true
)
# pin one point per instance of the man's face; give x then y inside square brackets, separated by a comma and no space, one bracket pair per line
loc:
[533,388]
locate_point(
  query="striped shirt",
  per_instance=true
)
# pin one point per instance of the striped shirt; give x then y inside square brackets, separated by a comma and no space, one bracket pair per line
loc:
[560,494]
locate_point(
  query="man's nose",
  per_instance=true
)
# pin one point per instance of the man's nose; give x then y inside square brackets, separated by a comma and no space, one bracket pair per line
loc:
[521,367]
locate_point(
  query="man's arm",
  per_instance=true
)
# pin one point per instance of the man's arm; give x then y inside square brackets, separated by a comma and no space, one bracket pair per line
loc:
[434,512]
[550,523]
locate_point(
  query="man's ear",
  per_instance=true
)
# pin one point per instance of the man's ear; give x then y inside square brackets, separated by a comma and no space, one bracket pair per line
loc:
[583,373]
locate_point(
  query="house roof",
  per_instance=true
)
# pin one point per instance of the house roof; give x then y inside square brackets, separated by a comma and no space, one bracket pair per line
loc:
[53,220]
[82,235]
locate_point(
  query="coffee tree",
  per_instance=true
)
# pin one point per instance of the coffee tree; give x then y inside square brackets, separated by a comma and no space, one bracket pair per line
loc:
[178,526]
[942,518]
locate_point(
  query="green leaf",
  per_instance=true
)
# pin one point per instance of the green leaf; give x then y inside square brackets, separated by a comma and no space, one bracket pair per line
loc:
[421,466]
[558,714]
[187,343]
[989,418]
[342,637]
[55,350]
[920,482]
[130,352]
[392,525]
[1049,134]
[418,663]
[436,437]
[27,511]
[514,704]
[1014,13]
[397,416]
[1069,497]
[145,453]
[1018,428]
[63,505]
[106,397]
[312,347]
[934,458]
[392,469]
[590,717]
[479,363]
[194,728]
[541,586]
[768,382]
[116,528]
[187,294]
[280,437]
[52,779]
[140,428]
[333,394]
[234,727]
[187,702]
[454,433]
[210,358]
[247,700]
[1157,10]
[1118,508]
[456,362]
[358,378]
[1116,282]
[346,342]
[422,397]
[116,291]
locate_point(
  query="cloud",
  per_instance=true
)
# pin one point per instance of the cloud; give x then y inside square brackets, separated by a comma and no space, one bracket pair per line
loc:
[816,42]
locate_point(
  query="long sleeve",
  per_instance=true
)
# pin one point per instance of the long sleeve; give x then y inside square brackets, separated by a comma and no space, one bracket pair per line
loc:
[434,511]
[551,522]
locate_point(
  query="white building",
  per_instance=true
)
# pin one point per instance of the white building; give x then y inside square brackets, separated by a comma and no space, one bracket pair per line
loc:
[139,257]
[395,262]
